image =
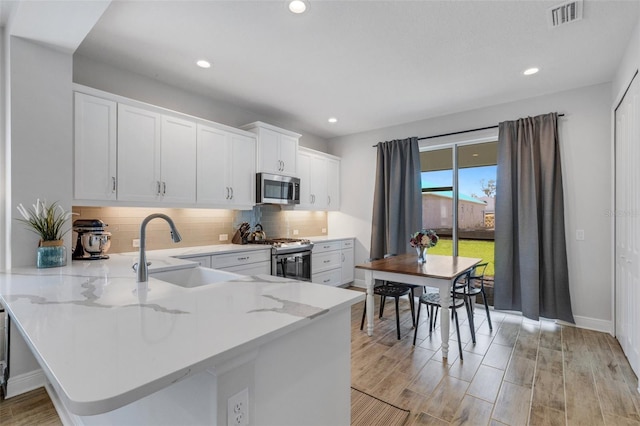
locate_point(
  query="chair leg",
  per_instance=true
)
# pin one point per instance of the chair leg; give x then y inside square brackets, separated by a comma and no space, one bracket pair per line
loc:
[467,305]
[432,319]
[413,309]
[364,314]
[382,300]
[486,308]
[397,317]
[415,330]
[455,316]
[435,316]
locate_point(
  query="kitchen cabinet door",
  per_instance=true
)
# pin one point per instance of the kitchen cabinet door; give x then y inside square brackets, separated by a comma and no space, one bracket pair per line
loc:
[212,169]
[243,170]
[333,184]
[226,168]
[306,198]
[178,160]
[277,149]
[138,154]
[269,151]
[313,180]
[319,182]
[348,261]
[94,148]
[288,155]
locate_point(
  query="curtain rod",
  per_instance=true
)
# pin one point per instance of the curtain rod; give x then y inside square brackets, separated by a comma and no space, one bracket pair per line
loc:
[462,132]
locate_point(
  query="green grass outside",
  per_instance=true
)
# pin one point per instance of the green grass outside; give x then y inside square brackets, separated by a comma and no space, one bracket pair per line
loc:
[468,248]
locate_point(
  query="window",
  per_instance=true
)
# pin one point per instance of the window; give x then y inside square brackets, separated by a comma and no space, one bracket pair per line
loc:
[461,178]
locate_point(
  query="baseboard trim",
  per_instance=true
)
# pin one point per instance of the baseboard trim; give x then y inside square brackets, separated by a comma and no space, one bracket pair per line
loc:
[17,385]
[588,323]
[595,324]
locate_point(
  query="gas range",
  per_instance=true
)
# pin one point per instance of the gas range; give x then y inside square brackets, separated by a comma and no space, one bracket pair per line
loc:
[290,257]
[286,245]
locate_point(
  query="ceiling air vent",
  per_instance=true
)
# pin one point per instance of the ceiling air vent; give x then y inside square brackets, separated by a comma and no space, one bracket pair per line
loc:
[565,13]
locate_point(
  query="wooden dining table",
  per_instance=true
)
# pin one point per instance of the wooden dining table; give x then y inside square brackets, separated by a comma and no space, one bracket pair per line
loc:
[438,272]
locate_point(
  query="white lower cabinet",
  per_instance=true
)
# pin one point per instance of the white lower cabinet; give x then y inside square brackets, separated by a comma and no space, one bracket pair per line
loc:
[250,262]
[332,262]
[348,261]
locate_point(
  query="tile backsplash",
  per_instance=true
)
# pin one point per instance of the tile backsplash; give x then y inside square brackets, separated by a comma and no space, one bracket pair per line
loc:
[199,227]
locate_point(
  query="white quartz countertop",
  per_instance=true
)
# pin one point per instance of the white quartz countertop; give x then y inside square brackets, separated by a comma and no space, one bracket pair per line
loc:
[186,252]
[105,341]
[323,238]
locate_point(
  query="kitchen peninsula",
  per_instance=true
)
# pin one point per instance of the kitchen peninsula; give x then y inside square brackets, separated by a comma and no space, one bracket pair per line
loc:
[119,352]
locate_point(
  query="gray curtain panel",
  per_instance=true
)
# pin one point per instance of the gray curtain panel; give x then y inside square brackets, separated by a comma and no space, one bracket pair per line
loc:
[531,273]
[397,200]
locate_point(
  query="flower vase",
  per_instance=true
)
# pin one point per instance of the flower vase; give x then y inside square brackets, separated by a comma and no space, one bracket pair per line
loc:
[51,254]
[422,254]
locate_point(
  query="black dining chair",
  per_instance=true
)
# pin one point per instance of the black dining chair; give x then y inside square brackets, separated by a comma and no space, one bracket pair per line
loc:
[432,300]
[475,286]
[395,290]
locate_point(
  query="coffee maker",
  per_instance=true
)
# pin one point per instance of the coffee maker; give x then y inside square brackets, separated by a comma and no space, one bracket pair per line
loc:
[93,241]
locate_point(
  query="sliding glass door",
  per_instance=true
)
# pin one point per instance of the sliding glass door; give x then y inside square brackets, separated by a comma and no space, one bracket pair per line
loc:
[458,198]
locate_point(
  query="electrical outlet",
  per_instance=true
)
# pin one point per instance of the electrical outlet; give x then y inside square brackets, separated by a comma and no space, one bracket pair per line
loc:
[580,234]
[295,232]
[136,242]
[324,230]
[238,409]
[224,237]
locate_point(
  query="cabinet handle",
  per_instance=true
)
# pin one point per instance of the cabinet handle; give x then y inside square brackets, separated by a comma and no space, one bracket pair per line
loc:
[343,257]
[282,166]
[227,188]
[158,187]
[326,281]
[231,192]
[328,200]
[244,258]
[326,261]
[164,188]
[113,184]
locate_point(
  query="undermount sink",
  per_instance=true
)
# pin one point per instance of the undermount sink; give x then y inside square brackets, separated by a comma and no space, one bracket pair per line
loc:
[194,277]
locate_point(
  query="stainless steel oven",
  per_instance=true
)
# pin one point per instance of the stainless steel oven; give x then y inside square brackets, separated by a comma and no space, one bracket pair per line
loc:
[292,264]
[290,257]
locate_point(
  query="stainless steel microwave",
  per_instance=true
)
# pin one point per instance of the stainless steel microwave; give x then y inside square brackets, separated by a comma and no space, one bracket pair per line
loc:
[277,189]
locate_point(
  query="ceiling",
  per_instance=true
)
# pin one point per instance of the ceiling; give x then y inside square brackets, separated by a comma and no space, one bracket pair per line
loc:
[371,64]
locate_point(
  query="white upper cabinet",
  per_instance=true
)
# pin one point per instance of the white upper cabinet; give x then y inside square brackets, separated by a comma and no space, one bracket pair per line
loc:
[138,154]
[226,168]
[156,157]
[319,180]
[94,148]
[178,160]
[277,149]
[333,184]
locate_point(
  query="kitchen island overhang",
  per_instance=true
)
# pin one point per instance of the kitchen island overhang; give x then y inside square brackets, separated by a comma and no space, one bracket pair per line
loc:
[104,345]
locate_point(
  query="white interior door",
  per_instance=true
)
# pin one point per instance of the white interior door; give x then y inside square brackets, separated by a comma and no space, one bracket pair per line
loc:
[627,224]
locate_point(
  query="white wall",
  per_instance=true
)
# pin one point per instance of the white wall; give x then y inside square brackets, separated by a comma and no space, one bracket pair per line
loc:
[41,136]
[585,138]
[628,66]
[135,86]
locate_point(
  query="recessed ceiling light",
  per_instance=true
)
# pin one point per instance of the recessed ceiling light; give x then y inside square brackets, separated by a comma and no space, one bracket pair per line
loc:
[203,64]
[474,155]
[531,71]
[332,120]
[297,6]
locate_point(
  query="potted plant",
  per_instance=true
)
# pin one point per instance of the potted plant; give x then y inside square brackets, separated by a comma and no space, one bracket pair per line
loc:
[48,222]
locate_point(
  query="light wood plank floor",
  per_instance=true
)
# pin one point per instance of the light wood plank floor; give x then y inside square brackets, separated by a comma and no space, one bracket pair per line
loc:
[522,372]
